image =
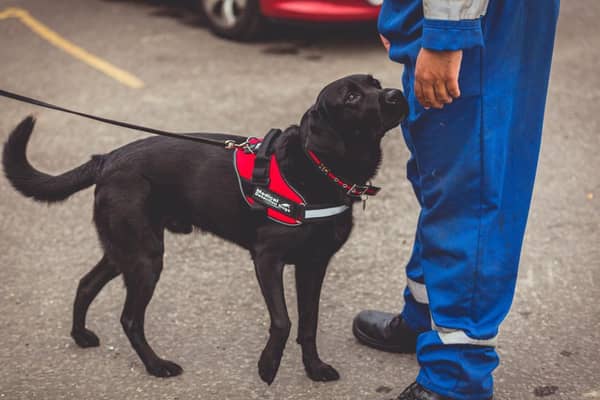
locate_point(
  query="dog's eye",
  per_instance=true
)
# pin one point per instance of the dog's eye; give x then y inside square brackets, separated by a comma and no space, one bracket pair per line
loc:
[352,98]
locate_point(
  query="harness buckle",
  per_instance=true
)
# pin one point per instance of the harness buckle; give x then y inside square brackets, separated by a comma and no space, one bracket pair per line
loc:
[357,191]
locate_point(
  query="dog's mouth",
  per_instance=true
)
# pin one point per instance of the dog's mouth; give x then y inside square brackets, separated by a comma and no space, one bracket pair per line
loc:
[403,113]
[394,108]
[392,121]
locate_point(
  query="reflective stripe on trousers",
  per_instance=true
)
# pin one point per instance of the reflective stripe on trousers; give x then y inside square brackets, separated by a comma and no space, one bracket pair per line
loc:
[447,336]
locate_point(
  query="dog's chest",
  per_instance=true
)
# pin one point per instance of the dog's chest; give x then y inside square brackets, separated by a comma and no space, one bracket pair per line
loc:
[318,240]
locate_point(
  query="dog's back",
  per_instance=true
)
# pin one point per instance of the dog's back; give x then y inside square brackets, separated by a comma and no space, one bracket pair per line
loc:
[187,183]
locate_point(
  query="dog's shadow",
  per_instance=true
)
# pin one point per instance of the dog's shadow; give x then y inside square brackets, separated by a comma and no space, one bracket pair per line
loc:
[278,38]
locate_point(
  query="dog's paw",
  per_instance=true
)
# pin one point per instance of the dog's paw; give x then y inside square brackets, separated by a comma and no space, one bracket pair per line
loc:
[318,371]
[268,366]
[85,338]
[164,369]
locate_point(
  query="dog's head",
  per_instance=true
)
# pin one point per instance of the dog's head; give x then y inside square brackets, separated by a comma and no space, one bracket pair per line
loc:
[350,117]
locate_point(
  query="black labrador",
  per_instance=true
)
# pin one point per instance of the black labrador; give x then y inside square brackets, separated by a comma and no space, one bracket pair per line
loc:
[161,183]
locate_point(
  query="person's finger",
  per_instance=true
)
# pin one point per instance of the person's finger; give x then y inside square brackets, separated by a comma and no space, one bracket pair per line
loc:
[419,94]
[429,95]
[453,88]
[441,94]
[385,42]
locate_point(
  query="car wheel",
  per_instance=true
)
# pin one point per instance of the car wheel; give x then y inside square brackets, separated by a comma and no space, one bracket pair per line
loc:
[233,19]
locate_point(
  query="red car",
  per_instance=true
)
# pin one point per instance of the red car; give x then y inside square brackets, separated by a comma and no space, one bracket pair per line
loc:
[242,19]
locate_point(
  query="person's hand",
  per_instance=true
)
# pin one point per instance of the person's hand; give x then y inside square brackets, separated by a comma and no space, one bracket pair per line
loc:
[436,77]
[385,42]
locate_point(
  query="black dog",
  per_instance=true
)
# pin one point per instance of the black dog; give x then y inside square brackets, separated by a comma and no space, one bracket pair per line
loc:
[162,183]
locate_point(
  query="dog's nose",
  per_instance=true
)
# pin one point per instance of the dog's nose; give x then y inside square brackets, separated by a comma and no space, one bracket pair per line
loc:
[393,96]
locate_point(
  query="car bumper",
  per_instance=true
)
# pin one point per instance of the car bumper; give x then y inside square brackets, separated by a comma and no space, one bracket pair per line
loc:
[320,11]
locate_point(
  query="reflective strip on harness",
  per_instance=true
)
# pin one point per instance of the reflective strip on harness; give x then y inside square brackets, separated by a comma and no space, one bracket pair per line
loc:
[418,291]
[457,336]
[324,212]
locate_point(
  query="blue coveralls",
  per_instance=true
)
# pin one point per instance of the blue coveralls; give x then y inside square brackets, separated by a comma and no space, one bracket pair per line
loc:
[472,168]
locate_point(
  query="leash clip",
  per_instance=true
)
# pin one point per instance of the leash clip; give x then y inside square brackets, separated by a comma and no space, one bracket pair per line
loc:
[231,144]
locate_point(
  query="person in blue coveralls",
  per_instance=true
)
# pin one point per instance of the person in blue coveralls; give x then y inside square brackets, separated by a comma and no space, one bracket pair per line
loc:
[476,77]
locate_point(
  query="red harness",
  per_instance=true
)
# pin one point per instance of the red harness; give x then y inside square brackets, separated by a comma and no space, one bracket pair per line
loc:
[278,210]
[263,186]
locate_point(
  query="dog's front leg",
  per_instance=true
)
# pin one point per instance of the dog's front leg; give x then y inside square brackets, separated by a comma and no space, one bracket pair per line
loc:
[269,271]
[309,279]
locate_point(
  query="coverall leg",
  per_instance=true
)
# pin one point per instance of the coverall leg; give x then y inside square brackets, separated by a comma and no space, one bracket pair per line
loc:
[476,160]
[416,309]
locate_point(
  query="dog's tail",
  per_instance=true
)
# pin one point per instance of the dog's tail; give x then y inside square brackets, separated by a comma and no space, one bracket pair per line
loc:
[35,184]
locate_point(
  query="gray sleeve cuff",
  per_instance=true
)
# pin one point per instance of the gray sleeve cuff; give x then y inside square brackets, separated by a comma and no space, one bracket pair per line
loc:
[454,10]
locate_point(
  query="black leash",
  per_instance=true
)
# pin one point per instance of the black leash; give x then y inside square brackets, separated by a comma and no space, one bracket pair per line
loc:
[228,144]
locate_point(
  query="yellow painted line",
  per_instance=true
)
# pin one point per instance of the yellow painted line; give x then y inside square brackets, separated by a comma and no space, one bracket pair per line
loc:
[54,38]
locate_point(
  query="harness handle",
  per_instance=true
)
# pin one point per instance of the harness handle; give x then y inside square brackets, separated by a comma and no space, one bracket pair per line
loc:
[262,161]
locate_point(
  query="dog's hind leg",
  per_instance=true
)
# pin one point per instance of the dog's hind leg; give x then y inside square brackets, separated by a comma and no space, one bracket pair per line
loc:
[140,280]
[89,287]
[309,279]
[269,271]
[133,238]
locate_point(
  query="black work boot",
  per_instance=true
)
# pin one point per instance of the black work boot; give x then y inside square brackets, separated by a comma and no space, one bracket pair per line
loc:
[384,331]
[418,392]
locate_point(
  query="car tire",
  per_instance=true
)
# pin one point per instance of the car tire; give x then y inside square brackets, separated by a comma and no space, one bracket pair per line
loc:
[233,19]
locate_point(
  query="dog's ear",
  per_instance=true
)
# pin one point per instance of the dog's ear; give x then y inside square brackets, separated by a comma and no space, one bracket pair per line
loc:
[321,136]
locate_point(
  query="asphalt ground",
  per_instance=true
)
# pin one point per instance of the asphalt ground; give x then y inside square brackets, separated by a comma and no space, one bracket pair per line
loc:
[207,313]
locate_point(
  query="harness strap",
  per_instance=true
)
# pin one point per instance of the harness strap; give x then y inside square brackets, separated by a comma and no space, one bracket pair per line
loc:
[264,198]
